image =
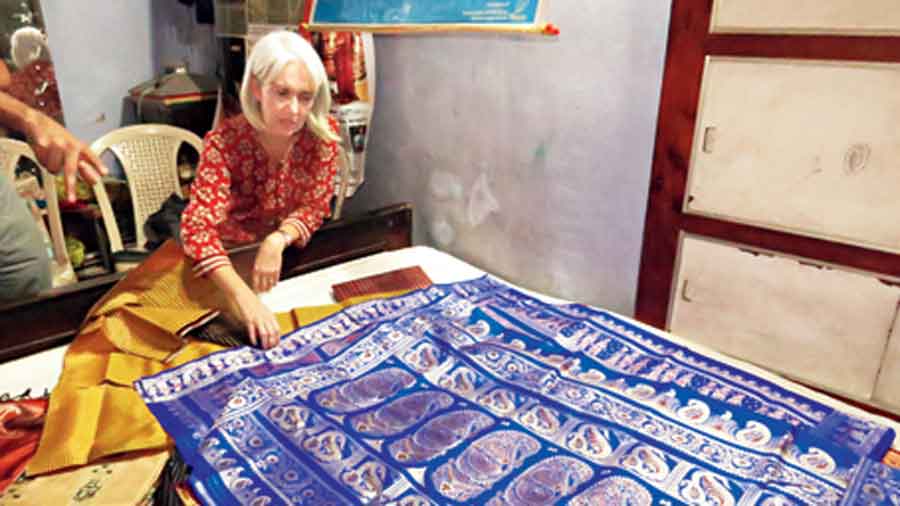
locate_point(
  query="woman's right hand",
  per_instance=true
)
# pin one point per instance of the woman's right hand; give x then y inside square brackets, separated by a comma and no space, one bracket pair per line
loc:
[262,327]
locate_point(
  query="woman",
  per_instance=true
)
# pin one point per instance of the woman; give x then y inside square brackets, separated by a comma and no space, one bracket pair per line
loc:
[264,175]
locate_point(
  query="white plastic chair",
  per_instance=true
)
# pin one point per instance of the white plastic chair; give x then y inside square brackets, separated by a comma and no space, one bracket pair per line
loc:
[149,155]
[11,151]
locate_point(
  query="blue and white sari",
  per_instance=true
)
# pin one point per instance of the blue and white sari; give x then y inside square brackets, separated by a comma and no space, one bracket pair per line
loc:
[475,393]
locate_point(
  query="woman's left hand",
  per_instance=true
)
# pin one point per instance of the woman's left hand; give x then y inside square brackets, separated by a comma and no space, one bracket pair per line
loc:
[267,267]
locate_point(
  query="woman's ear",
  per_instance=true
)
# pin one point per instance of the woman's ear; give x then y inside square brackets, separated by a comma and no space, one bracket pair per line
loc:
[256,88]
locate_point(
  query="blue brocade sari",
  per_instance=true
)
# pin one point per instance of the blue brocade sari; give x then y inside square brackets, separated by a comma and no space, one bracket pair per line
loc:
[475,393]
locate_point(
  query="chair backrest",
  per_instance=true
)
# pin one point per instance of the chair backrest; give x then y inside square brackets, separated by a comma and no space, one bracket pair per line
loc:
[149,155]
[11,151]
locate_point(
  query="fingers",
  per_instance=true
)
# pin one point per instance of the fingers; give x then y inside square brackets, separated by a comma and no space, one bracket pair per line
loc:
[70,168]
[263,281]
[265,332]
[93,161]
[40,140]
[272,334]
[257,281]
[88,172]
[251,333]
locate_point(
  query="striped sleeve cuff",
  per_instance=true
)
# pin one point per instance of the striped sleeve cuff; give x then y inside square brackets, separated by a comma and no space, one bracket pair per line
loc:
[303,234]
[209,264]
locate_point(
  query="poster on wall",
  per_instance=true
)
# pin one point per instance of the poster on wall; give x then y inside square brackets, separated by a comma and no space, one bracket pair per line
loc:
[397,16]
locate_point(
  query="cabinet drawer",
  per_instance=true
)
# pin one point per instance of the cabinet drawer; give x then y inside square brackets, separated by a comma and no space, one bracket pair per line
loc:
[808,148]
[851,17]
[822,325]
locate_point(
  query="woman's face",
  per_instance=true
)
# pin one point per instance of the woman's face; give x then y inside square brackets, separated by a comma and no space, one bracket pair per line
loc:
[286,99]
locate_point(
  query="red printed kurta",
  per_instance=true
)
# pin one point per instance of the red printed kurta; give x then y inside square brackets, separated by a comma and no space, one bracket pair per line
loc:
[239,197]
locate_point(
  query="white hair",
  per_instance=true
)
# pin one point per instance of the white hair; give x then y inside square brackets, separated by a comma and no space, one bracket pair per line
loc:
[27,44]
[267,60]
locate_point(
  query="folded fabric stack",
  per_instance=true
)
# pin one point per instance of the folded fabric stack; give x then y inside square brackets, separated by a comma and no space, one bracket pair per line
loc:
[475,393]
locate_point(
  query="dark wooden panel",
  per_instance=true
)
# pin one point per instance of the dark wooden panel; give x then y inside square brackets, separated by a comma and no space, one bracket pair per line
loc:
[53,318]
[807,47]
[682,76]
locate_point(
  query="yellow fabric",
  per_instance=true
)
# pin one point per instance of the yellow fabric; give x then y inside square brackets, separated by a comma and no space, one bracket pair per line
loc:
[132,334]
[172,321]
[94,412]
[123,369]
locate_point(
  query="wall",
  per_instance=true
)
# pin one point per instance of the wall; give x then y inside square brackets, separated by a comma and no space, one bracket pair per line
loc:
[526,156]
[100,49]
[179,39]
[112,46]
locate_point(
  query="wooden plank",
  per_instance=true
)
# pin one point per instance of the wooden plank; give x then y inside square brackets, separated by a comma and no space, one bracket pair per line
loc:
[849,17]
[793,146]
[822,325]
[53,318]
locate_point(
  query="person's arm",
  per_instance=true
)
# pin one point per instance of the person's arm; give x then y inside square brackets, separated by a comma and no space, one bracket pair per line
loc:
[298,226]
[303,221]
[55,147]
[208,208]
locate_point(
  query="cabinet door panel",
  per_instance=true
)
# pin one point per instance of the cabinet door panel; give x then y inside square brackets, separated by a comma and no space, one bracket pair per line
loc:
[852,17]
[822,325]
[887,389]
[807,148]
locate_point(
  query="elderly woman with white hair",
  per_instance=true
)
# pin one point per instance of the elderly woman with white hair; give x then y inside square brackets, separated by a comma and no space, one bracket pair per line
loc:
[264,175]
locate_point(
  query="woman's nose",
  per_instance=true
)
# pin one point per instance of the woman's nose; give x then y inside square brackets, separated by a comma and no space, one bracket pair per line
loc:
[294,105]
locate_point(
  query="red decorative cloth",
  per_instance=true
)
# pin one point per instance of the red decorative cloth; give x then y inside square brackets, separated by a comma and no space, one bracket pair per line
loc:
[21,423]
[35,85]
[239,197]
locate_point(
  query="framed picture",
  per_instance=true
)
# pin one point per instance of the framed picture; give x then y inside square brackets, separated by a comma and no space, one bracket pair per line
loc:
[425,15]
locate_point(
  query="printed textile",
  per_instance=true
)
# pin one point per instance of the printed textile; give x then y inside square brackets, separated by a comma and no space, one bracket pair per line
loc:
[21,422]
[475,393]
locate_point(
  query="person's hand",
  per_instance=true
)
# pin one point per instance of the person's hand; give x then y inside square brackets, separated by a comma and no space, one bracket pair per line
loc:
[267,267]
[262,327]
[58,150]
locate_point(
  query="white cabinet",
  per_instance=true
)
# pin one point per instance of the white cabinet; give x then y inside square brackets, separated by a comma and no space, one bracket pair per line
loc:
[822,325]
[850,17]
[809,148]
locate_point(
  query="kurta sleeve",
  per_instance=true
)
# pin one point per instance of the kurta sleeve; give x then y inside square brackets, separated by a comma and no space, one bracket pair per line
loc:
[209,205]
[316,203]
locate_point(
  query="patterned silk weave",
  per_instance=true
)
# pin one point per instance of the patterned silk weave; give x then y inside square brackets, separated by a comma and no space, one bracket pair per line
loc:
[475,393]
